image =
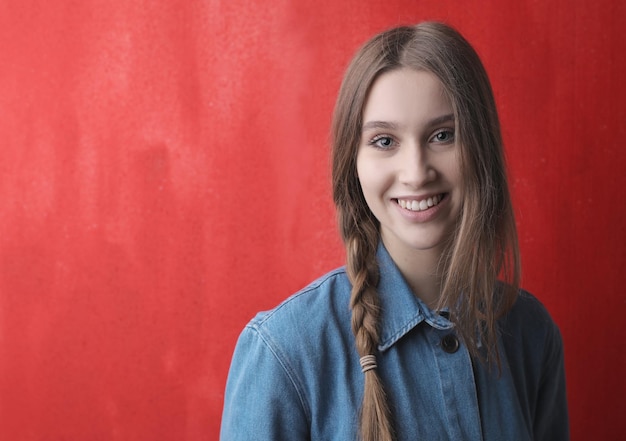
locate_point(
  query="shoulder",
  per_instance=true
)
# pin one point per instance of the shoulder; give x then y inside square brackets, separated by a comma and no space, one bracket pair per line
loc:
[324,295]
[277,361]
[299,338]
[285,358]
[317,314]
[528,316]
[531,338]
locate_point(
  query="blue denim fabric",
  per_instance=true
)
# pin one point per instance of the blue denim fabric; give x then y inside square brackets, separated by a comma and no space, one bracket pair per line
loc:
[295,373]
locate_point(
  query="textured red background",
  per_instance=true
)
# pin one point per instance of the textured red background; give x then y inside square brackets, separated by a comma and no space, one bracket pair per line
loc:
[164,175]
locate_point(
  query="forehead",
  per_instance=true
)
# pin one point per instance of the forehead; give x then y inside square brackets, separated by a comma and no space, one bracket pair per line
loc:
[406,96]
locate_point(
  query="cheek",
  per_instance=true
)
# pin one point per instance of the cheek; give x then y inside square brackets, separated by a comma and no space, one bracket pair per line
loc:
[371,172]
[451,169]
[369,181]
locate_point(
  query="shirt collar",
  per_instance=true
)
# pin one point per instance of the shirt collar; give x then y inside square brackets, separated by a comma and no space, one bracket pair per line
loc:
[401,310]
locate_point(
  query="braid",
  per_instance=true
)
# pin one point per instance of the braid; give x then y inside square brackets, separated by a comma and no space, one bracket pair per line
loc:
[362,270]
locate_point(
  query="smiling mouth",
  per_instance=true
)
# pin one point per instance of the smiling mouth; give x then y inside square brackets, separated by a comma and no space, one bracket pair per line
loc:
[424,204]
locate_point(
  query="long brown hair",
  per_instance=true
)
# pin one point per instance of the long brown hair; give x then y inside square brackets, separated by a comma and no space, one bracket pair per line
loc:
[484,244]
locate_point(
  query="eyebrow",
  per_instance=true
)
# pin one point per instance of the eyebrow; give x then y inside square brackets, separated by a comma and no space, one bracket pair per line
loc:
[442,119]
[379,125]
[387,125]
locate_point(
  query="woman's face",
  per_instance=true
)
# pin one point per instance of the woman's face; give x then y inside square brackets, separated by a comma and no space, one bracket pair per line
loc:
[408,162]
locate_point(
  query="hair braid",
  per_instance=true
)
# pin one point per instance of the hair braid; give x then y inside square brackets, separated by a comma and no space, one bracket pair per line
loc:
[362,270]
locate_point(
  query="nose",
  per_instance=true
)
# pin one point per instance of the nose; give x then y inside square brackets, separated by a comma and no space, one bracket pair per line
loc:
[414,168]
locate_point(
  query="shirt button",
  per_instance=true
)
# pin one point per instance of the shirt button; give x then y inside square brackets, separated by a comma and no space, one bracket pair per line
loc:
[450,343]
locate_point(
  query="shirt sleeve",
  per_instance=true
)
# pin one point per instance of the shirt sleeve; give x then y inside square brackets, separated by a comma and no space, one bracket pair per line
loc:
[261,401]
[551,417]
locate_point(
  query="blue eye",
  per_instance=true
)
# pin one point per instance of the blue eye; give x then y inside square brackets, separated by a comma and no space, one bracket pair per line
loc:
[443,136]
[382,142]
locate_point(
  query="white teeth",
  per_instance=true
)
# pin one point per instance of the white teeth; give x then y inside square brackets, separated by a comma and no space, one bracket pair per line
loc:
[422,205]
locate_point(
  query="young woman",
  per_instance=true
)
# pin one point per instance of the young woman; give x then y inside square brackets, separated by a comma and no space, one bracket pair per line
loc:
[414,339]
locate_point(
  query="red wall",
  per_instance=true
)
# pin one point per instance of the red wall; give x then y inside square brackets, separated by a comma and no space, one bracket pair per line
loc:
[164,175]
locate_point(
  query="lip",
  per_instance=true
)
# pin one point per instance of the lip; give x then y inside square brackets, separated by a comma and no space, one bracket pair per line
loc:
[424,215]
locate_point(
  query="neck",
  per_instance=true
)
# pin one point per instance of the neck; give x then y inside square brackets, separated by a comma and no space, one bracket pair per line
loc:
[420,270]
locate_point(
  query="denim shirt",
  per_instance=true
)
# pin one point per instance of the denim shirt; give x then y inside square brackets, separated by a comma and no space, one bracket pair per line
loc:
[295,373]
